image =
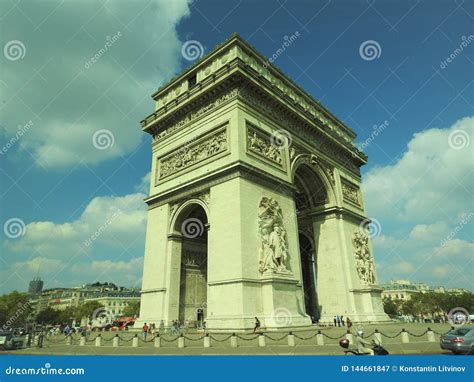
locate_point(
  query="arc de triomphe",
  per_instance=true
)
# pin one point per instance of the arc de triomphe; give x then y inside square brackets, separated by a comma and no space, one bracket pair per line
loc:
[255,207]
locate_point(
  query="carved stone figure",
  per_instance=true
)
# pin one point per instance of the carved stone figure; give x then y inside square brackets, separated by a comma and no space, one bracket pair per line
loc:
[273,251]
[193,153]
[364,260]
[261,145]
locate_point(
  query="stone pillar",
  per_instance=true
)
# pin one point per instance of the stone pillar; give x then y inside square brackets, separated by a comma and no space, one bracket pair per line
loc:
[233,341]
[431,335]
[291,339]
[207,341]
[98,340]
[82,341]
[135,341]
[115,341]
[69,340]
[261,340]
[320,338]
[405,337]
[157,341]
[181,342]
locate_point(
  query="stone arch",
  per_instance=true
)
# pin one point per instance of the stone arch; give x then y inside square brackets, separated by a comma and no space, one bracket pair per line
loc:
[315,173]
[179,212]
[189,228]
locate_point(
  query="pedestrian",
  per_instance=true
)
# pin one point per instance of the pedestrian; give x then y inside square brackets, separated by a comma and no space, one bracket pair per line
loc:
[338,320]
[257,325]
[342,320]
[349,323]
[144,330]
[335,321]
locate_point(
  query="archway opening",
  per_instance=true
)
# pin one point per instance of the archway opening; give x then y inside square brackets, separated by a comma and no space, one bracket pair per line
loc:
[192,226]
[310,194]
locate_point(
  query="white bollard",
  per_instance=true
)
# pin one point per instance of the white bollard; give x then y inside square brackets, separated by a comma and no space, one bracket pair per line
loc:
[233,341]
[431,335]
[349,337]
[291,339]
[405,337]
[68,340]
[378,337]
[181,342]
[157,341]
[207,342]
[115,341]
[319,339]
[98,340]
[82,341]
[135,341]
[261,340]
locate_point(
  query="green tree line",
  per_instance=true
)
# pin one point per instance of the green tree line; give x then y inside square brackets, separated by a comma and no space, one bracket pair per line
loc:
[430,303]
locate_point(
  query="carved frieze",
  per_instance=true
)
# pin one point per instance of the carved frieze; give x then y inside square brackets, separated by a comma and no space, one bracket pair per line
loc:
[193,152]
[350,192]
[317,140]
[365,264]
[197,113]
[260,143]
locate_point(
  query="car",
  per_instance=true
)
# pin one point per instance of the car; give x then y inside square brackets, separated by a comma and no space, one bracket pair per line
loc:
[458,340]
[10,341]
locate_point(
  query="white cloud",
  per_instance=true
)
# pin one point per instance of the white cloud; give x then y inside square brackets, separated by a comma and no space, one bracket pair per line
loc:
[67,100]
[105,243]
[430,180]
[423,201]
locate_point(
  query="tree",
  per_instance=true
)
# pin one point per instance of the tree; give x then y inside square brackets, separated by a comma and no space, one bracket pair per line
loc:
[87,309]
[132,309]
[15,309]
[390,307]
[49,316]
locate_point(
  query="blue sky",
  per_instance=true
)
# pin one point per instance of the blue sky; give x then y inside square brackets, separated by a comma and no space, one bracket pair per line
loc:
[418,186]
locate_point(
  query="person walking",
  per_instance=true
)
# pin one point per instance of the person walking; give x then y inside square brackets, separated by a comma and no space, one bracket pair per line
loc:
[349,323]
[144,330]
[342,320]
[257,325]
[335,321]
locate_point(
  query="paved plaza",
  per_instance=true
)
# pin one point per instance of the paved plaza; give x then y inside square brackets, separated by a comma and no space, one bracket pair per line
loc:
[248,343]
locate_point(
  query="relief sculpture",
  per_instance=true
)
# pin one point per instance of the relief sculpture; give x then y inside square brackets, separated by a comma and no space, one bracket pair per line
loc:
[273,251]
[364,260]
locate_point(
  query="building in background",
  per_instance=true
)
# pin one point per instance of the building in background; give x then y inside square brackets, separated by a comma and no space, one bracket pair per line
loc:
[112,297]
[35,287]
[404,289]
